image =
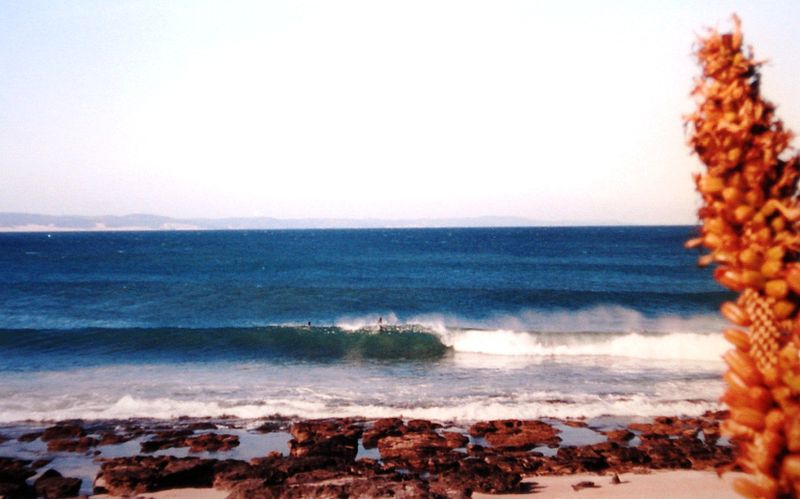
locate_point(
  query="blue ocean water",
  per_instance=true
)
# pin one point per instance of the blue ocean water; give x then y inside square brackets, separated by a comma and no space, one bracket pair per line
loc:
[474,323]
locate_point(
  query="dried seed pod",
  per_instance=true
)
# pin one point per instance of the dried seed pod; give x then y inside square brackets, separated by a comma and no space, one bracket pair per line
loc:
[776,288]
[743,366]
[738,338]
[735,314]
[757,486]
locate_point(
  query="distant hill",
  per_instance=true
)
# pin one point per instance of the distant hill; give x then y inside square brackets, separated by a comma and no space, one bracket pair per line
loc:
[30,222]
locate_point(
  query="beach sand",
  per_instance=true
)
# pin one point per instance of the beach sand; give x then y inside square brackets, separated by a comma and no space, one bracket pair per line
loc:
[670,484]
[658,484]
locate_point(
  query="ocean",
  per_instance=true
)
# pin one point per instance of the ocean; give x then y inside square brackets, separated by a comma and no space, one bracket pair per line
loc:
[446,324]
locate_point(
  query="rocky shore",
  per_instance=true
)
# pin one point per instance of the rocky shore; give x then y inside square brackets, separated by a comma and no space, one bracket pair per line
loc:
[284,457]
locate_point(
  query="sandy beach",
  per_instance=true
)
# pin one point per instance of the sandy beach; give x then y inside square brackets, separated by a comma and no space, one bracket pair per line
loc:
[658,484]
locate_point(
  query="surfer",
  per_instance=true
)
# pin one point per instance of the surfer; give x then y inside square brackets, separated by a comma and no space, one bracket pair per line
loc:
[380,323]
[309,324]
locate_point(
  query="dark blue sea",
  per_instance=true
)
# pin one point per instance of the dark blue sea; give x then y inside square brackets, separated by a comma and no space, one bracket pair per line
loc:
[438,323]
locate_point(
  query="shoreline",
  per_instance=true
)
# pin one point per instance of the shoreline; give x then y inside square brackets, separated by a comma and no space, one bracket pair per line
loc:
[230,457]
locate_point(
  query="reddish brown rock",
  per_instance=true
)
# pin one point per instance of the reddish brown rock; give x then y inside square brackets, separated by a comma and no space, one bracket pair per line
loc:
[187,472]
[272,426]
[212,442]
[229,473]
[387,427]
[418,451]
[29,437]
[13,476]
[324,485]
[62,431]
[676,427]
[475,475]
[336,438]
[422,426]
[39,463]
[516,434]
[135,475]
[201,425]
[81,444]
[582,459]
[619,435]
[111,438]
[166,439]
[455,440]
[52,485]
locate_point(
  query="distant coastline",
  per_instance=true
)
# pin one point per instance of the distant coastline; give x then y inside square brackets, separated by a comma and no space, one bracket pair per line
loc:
[33,222]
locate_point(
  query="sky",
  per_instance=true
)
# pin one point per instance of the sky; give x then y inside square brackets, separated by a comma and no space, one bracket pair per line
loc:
[553,111]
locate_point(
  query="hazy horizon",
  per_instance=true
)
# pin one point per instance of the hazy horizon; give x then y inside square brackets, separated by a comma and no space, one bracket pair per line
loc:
[364,109]
[38,222]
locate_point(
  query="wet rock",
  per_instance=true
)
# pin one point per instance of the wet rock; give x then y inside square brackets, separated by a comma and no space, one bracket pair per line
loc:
[39,463]
[167,439]
[253,489]
[581,459]
[422,426]
[418,451]
[187,472]
[228,473]
[12,470]
[29,437]
[387,427]
[516,434]
[676,427]
[349,482]
[475,475]
[416,445]
[13,476]
[16,490]
[212,442]
[111,438]
[52,485]
[455,440]
[288,466]
[337,438]
[3,438]
[81,444]
[665,454]
[271,426]
[621,435]
[202,425]
[62,431]
[711,434]
[138,474]
[575,423]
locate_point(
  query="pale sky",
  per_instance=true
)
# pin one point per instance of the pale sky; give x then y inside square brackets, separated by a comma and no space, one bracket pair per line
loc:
[554,111]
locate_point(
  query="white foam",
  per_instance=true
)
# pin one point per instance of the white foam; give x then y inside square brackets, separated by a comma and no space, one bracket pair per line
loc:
[356,323]
[677,346]
[607,318]
[676,337]
[476,408]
